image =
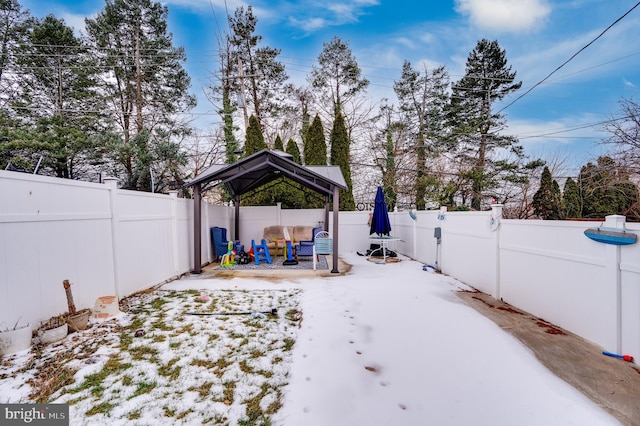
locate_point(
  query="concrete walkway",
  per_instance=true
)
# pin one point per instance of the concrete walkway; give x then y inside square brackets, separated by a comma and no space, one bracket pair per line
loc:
[612,383]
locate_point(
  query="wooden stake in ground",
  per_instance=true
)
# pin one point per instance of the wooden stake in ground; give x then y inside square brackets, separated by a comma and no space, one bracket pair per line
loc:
[67,289]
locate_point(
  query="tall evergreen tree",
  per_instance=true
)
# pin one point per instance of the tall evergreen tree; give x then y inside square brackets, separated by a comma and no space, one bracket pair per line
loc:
[315,149]
[315,154]
[340,157]
[547,199]
[337,78]
[278,144]
[255,139]
[475,126]
[293,150]
[148,87]
[265,75]
[571,199]
[58,77]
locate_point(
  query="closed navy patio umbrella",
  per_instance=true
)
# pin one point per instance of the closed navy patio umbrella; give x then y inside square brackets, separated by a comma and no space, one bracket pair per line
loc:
[380,220]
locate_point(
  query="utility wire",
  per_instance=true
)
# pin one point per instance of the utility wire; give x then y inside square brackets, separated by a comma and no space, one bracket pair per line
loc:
[569,60]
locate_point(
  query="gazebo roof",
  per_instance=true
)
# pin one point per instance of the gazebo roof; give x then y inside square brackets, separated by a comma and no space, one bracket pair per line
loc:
[265,166]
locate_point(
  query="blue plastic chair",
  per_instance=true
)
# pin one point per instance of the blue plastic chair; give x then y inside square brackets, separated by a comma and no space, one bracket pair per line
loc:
[305,248]
[220,242]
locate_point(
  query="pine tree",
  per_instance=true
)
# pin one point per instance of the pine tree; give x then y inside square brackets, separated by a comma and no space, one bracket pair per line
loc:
[337,78]
[475,126]
[340,157]
[547,199]
[266,75]
[58,77]
[571,199]
[148,88]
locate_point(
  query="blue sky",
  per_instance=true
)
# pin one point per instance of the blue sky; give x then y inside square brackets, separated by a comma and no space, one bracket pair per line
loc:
[554,120]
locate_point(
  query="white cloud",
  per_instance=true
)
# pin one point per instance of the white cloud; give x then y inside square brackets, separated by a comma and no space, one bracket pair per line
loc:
[505,15]
[406,42]
[628,83]
[308,25]
[322,14]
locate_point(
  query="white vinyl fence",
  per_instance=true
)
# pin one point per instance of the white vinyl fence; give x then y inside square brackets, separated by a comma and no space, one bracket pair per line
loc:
[108,241]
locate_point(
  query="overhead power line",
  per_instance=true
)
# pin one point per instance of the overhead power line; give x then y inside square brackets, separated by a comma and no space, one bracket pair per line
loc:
[570,59]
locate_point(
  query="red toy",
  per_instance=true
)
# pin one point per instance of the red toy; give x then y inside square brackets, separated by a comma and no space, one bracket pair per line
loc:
[627,358]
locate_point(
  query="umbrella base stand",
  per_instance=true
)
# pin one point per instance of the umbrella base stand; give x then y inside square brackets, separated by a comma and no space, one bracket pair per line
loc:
[289,261]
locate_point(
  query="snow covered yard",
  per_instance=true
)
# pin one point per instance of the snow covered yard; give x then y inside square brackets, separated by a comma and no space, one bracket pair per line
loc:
[383,345]
[159,365]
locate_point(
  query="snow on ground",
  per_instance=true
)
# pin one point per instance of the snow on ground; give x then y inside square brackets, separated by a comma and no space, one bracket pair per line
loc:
[385,344]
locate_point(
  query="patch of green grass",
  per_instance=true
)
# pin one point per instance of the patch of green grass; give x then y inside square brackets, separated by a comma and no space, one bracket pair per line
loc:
[95,381]
[168,371]
[127,380]
[126,339]
[158,302]
[142,388]
[213,337]
[288,344]
[159,338]
[76,400]
[160,324]
[254,411]
[168,412]
[144,352]
[102,408]
[136,323]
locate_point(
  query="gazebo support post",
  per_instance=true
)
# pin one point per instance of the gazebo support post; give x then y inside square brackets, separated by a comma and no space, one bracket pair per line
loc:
[236,228]
[197,234]
[327,204]
[336,208]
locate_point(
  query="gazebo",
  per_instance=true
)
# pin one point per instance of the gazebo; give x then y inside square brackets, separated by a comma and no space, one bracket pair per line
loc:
[256,170]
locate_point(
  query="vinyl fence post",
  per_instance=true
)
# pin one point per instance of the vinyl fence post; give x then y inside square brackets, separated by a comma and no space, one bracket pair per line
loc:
[174,230]
[614,276]
[112,184]
[494,225]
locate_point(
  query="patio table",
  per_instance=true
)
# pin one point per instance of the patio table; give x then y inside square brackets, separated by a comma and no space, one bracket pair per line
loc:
[384,245]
